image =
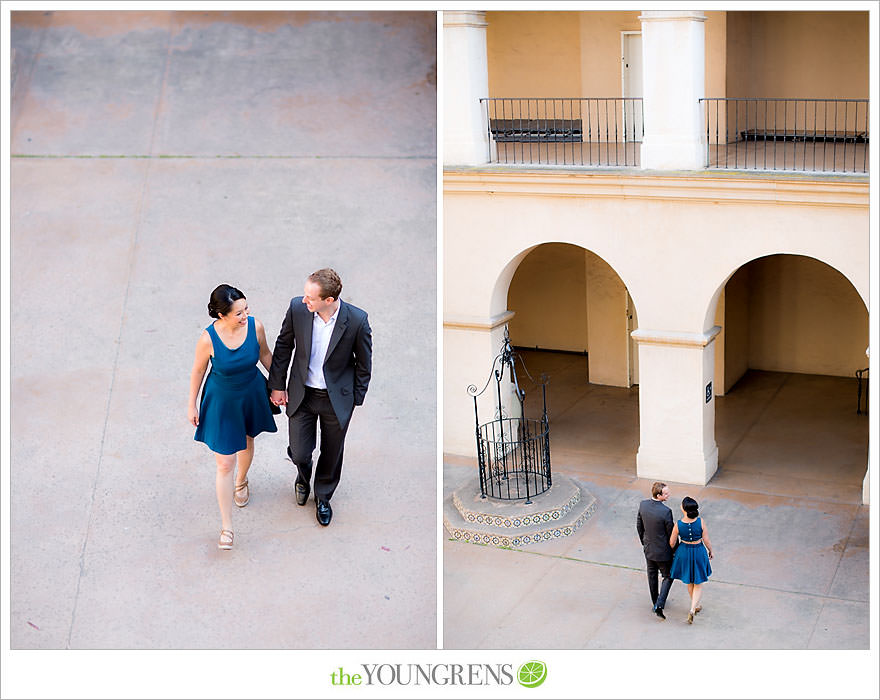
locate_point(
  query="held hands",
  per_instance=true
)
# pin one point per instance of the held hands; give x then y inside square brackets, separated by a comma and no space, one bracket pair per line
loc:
[278,398]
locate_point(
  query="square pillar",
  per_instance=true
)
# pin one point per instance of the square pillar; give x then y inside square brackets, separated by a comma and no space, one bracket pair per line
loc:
[466,80]
[674,80]
[676,406]
[469,347]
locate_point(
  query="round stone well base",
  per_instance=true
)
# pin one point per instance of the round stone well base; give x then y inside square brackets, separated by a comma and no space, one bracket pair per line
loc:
[558,512]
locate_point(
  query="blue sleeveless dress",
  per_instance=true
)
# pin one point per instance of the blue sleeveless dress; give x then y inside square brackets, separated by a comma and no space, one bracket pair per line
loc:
[691,561]
[234,401]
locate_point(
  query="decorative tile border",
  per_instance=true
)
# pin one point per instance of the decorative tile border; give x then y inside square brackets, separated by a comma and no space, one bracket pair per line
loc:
[517,522]
[463,534]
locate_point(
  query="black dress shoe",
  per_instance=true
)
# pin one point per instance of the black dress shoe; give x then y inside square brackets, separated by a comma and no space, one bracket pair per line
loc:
[659,613]
[302,493]
[323,512]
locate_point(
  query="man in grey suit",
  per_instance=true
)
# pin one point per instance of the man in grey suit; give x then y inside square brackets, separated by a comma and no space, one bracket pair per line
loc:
[654,525]
[332,350]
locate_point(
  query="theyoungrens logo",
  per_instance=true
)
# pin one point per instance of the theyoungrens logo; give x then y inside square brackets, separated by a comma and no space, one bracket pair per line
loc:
[529,675]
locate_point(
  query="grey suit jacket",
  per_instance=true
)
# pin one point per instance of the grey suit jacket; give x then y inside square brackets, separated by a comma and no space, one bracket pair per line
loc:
[654,525]
[347,365]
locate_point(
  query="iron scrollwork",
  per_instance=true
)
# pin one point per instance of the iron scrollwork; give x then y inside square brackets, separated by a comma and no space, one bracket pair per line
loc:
[513,452]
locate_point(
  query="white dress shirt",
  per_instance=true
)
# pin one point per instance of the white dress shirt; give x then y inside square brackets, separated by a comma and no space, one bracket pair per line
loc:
[321,333]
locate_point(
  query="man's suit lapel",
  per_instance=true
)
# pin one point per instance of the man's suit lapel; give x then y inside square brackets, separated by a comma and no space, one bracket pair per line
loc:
[338,329]
[305,333]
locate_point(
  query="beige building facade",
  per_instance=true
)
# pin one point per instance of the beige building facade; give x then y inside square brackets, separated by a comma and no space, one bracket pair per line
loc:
[670,275]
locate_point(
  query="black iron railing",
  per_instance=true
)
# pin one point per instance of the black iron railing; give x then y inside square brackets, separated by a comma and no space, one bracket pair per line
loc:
[806,135]
[513,453]
[862,376]
[514,457]
[594,131]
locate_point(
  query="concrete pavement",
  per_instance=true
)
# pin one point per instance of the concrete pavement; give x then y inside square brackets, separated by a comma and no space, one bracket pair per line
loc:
[784,514]
[787,574]
[156,155]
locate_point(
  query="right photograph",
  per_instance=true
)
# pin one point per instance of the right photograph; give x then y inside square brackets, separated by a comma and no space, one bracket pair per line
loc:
[656,330]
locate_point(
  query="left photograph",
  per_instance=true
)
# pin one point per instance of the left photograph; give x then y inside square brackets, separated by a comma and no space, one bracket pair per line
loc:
[223,259]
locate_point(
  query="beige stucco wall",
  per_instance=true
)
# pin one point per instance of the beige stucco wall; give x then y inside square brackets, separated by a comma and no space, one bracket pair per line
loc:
[609,345]
[673,240]
[548,294]
[804,317]
[568,298]
[797,54]
[736,328]
[716,53]
[533,54]
[556,54]
[577,54]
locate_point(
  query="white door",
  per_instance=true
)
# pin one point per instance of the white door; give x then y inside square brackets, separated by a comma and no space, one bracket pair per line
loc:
[631,62]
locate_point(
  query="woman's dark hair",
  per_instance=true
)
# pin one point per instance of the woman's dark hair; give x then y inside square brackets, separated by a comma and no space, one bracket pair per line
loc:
[222,300]
[691,507]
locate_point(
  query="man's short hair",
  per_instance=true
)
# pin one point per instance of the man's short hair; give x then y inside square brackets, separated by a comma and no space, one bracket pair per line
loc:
[657,488]
[328,281]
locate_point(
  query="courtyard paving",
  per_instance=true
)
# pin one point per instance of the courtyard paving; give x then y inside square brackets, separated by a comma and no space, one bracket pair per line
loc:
[784,513]
[155,155]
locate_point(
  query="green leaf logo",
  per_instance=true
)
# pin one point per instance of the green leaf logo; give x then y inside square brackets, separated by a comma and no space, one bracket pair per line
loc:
[532,673]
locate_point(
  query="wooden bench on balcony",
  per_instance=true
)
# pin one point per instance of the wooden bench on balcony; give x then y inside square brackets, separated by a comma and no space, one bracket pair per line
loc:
[536,130]
[792,135]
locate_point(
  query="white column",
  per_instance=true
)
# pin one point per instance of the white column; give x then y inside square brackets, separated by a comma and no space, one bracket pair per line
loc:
[466,80]
[674,75]
[676,421]
[469,347]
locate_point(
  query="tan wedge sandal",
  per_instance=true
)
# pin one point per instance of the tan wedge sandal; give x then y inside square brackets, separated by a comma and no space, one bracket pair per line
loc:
[242,501]
[225,541]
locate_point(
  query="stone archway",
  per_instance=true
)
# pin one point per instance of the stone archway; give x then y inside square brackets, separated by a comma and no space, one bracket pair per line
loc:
[572,319]
[795,330]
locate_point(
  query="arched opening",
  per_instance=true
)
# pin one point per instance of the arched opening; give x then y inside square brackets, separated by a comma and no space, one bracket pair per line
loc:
[573,320]
[795,331]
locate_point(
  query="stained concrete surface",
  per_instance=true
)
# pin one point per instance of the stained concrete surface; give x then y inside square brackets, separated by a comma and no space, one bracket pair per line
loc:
[154,156]
[783,512]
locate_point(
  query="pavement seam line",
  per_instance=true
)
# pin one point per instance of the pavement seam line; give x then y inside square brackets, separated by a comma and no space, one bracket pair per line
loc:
[131,258]
[626,567]
[158,110]
[831,584]
[13,113]
[218,156]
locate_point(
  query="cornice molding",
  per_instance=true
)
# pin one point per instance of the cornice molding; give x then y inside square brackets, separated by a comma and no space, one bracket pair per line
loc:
[645,336]
[472,323]
[655,185]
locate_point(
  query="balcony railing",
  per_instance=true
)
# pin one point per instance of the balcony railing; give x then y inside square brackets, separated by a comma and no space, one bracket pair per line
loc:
[587,131]
[805,135]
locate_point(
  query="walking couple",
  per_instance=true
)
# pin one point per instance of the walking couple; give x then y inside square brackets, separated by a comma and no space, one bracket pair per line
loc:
[680,550]
[331,344]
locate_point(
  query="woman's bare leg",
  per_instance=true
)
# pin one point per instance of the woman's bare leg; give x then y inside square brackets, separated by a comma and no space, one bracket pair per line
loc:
[244,458]
[695,596]
[225,470]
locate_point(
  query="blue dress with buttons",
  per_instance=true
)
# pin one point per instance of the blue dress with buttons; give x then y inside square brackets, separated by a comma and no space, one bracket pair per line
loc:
[234,401]
[691,561]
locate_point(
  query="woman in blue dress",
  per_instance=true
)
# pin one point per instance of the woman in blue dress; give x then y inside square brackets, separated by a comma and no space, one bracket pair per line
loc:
[234,407]
[690,564]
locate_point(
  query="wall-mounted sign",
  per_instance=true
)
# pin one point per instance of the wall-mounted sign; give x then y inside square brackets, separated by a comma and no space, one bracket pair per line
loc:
[708,392]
